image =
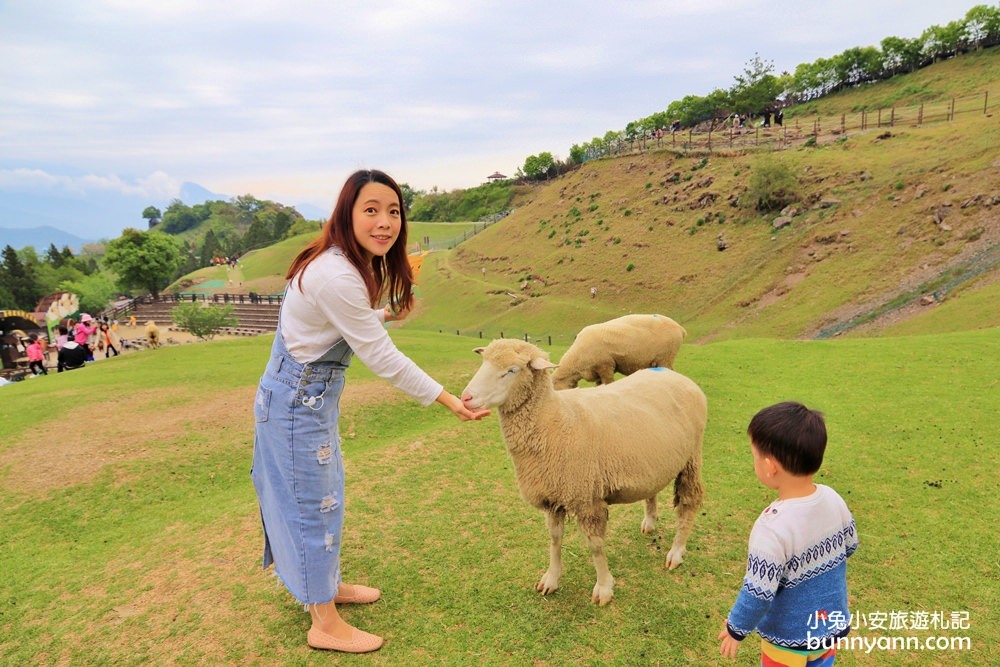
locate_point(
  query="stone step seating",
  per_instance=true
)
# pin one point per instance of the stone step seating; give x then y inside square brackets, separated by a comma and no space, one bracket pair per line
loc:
[252,318]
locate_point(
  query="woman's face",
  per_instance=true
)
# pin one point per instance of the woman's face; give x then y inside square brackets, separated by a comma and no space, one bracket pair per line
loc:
[377,219]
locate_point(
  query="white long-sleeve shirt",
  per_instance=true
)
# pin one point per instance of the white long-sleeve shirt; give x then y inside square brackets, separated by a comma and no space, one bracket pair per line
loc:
[332,304]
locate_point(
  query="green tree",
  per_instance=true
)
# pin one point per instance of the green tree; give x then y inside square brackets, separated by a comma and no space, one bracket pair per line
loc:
[942,41]
[281,222]
[203,321]
[982,25]
[900,55]
[257,236]
[537,167]
[152,215]
[95,291]
[178,218]
[756,88]
[247,208]
[145,260]
[409,195]
[54,257]
[210,248]
[17,278]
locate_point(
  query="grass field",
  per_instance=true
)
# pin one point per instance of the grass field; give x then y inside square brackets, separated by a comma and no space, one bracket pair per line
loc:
[130,531]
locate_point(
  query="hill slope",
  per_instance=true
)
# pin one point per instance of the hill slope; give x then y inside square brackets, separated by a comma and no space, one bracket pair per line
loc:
[893,231]
[892,227]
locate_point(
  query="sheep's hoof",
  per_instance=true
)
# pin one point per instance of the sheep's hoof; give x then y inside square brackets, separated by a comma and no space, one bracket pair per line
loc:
[601,596]
[546,585]
[648,526]
[674,558]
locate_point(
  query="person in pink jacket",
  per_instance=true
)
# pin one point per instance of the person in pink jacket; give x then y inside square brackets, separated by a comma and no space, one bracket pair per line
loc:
[36,356]
[84,329]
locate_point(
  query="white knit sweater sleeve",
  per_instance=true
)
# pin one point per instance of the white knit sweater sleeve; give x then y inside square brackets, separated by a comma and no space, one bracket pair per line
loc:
[333,304]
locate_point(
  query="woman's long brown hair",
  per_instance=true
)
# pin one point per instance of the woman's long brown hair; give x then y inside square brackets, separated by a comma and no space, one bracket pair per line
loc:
[384,276]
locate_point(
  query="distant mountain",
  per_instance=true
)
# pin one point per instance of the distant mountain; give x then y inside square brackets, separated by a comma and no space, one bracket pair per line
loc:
[74,215]
[192,193]
[86,215]
[310,212]
[40,238]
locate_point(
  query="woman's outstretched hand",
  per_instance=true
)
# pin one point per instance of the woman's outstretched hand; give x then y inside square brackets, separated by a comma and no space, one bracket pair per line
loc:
[454,403]
[396,315]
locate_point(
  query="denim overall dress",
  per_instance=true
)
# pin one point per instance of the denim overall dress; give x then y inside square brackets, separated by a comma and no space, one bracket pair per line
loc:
[298,471]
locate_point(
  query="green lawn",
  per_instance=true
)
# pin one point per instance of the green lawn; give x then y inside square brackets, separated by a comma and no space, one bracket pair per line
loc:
[130,533]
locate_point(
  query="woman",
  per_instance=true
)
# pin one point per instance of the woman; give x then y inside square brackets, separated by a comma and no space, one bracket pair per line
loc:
[82,332]
[329,313]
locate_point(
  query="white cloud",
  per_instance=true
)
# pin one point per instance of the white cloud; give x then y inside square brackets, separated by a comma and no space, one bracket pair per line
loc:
[287,96]
[156,186]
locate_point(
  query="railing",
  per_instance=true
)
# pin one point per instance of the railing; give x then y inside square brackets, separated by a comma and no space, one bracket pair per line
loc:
[221,297]
[711,136]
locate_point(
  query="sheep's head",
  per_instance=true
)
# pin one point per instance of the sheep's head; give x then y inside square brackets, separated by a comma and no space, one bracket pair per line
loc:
[507,374]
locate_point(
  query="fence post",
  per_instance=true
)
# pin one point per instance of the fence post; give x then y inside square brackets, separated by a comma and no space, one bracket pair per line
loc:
[843,123]
[920,115]
[952,109]
[892,117]
[879,118]
[986,101]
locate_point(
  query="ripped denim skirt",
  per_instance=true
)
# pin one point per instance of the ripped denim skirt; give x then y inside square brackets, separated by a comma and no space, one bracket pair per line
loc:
[298,471]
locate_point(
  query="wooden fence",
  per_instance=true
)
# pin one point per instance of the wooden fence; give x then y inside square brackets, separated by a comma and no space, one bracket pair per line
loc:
[799,128]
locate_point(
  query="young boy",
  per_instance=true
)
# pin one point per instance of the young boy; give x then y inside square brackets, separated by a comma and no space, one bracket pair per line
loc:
[794,592]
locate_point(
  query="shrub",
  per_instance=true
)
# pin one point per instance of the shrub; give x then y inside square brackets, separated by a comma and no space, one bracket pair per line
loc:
[771,187]
[203,321]
[630,266]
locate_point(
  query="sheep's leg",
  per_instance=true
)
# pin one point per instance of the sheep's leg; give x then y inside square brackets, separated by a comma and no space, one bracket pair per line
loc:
[593,527]
[554,520]
[649,520]
[688,493]
[605,374]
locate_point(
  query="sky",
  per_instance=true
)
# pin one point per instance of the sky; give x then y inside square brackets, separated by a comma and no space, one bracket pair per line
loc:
[282,99]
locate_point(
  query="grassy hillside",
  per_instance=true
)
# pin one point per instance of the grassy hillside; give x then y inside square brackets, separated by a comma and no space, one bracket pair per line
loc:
[893,231]
[885,219]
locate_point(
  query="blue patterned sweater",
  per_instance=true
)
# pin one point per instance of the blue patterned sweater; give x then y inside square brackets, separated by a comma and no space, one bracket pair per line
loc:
[795,587]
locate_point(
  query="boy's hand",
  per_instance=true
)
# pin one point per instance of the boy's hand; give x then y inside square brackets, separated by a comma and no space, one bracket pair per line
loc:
[729,644]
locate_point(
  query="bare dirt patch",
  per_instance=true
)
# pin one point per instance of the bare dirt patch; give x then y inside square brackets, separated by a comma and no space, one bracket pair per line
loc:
[89,437]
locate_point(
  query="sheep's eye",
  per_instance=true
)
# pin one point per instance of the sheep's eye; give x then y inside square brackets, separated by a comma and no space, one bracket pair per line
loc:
[511,371]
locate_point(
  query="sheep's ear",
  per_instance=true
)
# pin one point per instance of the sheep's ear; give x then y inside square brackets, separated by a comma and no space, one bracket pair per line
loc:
[479,350]
[541,363]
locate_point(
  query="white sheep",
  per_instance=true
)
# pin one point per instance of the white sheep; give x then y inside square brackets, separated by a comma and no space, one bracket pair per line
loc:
[152,334]
[625,344]
[576,451]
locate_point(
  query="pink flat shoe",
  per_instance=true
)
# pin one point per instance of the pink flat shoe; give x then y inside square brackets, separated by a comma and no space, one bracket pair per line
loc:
[360,642]
[361,595]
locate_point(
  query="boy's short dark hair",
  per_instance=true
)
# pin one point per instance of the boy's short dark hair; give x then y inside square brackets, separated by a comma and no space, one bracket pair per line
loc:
[792,434]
